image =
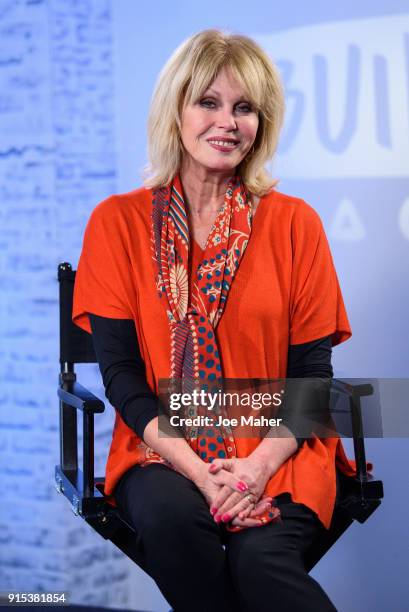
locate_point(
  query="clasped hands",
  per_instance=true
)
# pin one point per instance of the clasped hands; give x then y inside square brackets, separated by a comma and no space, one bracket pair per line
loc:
[233,489]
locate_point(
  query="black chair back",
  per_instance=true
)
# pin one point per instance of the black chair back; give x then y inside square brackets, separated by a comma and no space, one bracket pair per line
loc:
[75,344]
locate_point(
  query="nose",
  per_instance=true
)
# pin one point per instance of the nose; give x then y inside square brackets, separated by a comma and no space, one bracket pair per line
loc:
[225,119]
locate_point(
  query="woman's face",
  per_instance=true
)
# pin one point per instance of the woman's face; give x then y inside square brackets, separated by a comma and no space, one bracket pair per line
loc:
[220,128]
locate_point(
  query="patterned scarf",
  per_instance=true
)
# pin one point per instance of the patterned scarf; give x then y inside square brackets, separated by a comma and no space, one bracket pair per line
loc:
[195,357]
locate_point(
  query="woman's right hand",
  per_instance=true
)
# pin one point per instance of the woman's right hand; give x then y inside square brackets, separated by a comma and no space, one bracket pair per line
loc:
[210,484]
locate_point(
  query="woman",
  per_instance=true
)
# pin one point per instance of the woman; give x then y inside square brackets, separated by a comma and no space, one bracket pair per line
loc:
[208,271]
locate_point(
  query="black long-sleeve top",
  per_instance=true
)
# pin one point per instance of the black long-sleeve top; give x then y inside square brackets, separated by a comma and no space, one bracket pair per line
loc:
[124,378]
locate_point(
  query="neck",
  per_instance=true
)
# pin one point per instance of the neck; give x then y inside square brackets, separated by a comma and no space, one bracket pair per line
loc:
[204,191]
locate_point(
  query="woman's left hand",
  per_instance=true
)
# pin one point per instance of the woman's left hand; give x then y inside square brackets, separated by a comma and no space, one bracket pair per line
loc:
[254,472]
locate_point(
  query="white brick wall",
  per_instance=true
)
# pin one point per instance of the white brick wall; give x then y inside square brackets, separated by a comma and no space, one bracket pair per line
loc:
[57,161]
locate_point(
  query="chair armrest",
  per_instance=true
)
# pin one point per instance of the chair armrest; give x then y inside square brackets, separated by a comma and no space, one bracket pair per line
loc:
[74,395]
[345,388]
[80,398]
[354,394]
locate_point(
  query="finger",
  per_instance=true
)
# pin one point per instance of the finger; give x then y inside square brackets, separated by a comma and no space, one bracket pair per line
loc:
[254,511]
[225,478]
[230,501]
[246,512]
[218,464]
[247,522]
[260,509]
[230,509]
[221,498]
[261,506]
[252,508]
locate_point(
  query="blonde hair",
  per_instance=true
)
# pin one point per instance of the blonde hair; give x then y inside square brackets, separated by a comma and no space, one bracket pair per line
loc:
[185,77]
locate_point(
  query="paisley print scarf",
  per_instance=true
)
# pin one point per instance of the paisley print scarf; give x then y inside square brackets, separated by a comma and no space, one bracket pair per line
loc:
[195,356]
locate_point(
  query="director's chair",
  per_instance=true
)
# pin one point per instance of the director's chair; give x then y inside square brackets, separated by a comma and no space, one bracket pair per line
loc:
[359,496]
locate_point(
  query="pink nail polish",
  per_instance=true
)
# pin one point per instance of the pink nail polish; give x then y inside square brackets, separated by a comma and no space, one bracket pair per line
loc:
[217,518]
[226,517]
[242,486]
[213,510]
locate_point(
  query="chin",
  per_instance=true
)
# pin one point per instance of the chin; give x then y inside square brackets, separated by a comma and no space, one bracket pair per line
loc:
[221,165]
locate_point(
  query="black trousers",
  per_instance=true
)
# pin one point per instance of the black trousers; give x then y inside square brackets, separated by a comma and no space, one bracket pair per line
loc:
[258,569]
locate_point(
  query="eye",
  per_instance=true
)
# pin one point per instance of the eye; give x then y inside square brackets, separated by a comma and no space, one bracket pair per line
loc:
[241,107]
[207,103]
[244,107]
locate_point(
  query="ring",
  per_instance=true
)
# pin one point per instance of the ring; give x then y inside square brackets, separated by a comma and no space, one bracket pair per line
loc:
[250,498]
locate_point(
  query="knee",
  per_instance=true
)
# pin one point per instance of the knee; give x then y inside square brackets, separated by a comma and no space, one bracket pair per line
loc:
[243,560]
[160,516]
[169,518]
[251,561]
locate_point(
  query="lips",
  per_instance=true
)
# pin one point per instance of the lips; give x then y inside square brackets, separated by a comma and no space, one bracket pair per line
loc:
[225,145]
[223,140]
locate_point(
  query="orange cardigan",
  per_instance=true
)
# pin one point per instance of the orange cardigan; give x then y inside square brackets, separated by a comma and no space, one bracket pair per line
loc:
[285,291]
